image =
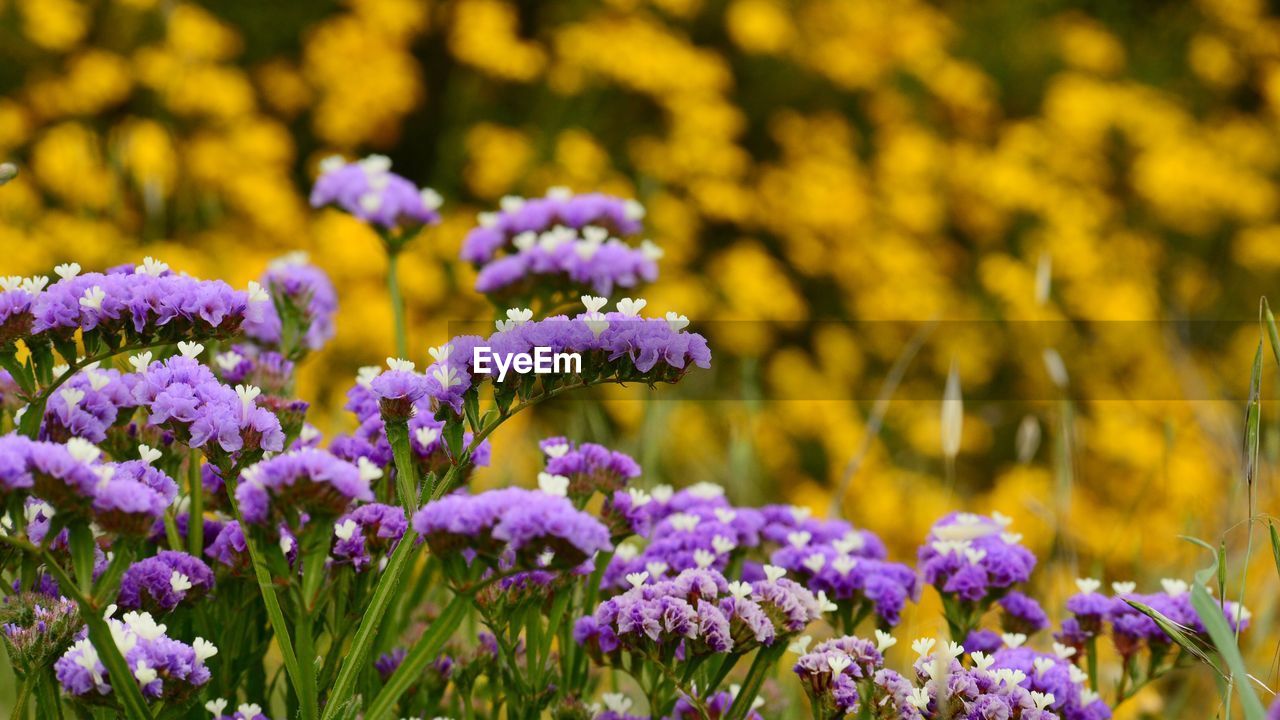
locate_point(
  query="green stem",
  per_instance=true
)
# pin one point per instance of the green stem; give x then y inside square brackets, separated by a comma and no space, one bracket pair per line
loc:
[416,661]
[406,468]
[397,302]
[763,664]
[269,599]
[20,703]
[124,686]
[195,511]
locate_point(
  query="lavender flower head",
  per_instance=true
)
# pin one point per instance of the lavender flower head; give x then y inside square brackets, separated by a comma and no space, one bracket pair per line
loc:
[302,289]
[560,207]
[308,481]
[973,557]
[588,467]
[160,583]
[368,531]
[86,405]
[368,190]
[36,628]
[166,669]
[524,523]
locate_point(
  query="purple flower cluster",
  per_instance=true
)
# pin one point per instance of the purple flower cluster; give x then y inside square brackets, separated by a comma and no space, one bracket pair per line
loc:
[145,304]
[589,467]
[87,405]
[582,260]
[185,397]
[1056,677]
[615,346]
[124,498]
[367,532]
[314,482]
[514,522]
[160,583]
[302,289]
[1131,629]
[559,207]
[16,319]
[973,557]
[36,627]
[248,364]
[831,671]
[369,190]
[717,706]
[165,669]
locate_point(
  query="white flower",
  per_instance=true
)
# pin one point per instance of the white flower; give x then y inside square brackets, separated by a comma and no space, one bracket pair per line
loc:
[677,322]
[553,484]
[684,522]
[616,702]
[190,349]
[815,562]
[1123,588]
[1088,585]
[431,199]
[426,435]
[1063,651]
[844,563]
[286,544]
[140,361]
[400,364]
[774,573]
[595,322]
[143,625]
[519,316]
[1042,665]
[799,539]
[446,376]
[151,266]
[639,498]
[703,558]
[556,450]
[923,646]
[366,374]
[725,515]
[884,641]
[144,673]
[951,649]
[631,307]
[1013,640]
[651,251]
[1088,697]
[656,569]
[66,271]
[1011,538]
[625,552]
[919,698]
[739,589]
[1174,587]
[1042,700]
[982,661]
[346,529]
[215,707]
[440,353]
[662,493]
[637,579]
[722,545]
[83,450]
[511,203]
[594,304]
[1001,519]
[308,433]
[249,710]
[851,542]
[525,240]
[179,582]
[369,471]
[800,645]
[824,604]
[838,663]
[228,360]
[35,284]
[97,378]
[72,396]
[974,555]
[93,298]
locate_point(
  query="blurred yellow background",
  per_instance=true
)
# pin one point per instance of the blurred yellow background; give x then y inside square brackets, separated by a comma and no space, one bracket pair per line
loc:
[1038,171]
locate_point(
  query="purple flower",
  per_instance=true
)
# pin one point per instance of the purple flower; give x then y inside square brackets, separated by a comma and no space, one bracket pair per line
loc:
[535,215]
[1022,614]
[15,474]
[160,583]
[15,314]
[166,669]
[371,192]
[304,289]
[248,364]
[398,390]
[302,481]
[369,530]
[589,467]
[973,558]
[527,523]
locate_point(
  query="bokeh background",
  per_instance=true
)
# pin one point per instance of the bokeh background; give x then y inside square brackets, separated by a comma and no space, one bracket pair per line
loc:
[835,182]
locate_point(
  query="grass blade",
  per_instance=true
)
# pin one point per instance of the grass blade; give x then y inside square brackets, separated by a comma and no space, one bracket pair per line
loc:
[1210,613]
[1269,322]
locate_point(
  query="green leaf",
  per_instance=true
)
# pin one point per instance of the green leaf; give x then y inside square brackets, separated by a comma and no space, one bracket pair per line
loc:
[1252,418]
[1269,321]
[1179,633]
[1210,613]
[1275,545]
[453,432]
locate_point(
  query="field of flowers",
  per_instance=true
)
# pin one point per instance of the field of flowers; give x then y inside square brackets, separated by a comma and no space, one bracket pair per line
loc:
[952,312]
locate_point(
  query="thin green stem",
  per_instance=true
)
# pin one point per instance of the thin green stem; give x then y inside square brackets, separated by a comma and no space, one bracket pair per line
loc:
[195,514]
[397,302]
[20,702]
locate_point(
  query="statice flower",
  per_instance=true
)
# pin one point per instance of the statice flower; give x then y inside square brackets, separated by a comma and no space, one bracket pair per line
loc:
[314,482]
[789,605]
[245,364]
[244,711]
[974,558]
[1022,614]
[165,669]
[15,474]
[36,628]
[398,390]
[831,671]
[1057,677]
[160,583]
[716,706]
[229,547]
[185,397]
[523,523]
[586,260]
[67,475]
[308,299]
[1089,606]
[560,207]
[369,190]
[367,532]
[86,405]
[143,305]
[588,467]
[15,311]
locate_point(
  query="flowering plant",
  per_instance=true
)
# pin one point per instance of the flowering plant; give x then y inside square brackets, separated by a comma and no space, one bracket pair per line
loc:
[176,536]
